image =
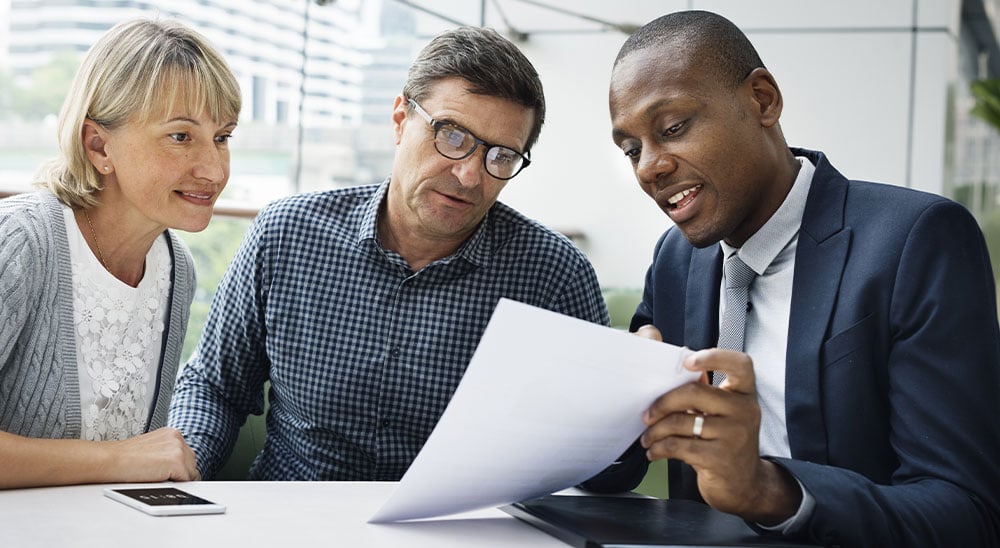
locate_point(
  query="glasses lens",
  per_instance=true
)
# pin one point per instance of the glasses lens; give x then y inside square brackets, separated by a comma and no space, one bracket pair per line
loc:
[502,162]
[454,142]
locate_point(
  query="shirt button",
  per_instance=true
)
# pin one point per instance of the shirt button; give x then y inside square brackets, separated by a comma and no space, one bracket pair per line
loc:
[394,352]
[385,423]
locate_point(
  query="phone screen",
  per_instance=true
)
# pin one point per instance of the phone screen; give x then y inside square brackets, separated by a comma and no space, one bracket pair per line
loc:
[164,501]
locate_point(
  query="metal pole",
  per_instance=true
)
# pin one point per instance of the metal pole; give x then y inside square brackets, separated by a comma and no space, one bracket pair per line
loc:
[297,180]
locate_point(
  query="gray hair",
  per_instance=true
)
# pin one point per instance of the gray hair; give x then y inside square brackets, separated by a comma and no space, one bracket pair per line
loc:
[489,62]
[131,74]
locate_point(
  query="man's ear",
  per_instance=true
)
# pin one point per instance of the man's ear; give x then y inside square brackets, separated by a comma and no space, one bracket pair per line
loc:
[94,143]
[766,95]
[399,116]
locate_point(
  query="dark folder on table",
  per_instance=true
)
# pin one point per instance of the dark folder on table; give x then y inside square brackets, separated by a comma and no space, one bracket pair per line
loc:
[619,522]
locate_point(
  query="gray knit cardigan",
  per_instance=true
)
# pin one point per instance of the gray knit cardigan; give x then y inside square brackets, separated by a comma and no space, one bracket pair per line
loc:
[39,387]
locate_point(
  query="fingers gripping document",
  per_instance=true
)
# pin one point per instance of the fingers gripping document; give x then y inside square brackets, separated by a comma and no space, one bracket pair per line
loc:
[547,402]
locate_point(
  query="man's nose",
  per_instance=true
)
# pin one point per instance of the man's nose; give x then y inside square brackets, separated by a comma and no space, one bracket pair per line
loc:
[654,165]
[470,170]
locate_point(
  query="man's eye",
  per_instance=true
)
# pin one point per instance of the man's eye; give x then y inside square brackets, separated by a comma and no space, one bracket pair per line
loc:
[453,136]
[632,153]
[503,157]
[674,129]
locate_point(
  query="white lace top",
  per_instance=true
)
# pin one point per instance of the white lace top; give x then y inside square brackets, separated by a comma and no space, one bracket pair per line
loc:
[119,333]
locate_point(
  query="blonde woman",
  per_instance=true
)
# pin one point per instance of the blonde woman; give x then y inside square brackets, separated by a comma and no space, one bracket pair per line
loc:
[94,289]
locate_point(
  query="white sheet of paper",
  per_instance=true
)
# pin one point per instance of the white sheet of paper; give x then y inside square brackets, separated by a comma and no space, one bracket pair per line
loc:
[547,402]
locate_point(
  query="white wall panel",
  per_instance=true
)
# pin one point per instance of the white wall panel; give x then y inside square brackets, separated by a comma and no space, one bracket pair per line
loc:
[939,13]
[936,71]
[846,94]
[797,14]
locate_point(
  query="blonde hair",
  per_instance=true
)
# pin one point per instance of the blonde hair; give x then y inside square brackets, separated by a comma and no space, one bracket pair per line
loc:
[135,70]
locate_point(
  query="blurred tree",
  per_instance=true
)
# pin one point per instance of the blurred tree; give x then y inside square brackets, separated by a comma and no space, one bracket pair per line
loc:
[44,96]
[991,230]
[987,108]
[965,194]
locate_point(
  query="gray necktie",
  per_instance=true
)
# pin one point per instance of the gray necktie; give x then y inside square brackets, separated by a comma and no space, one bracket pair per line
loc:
[739,276]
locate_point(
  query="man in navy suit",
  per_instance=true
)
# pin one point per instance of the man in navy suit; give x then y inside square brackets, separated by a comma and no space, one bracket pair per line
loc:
[864,410]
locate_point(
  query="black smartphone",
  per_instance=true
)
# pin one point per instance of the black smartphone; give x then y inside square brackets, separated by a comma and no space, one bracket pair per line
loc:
[164,501]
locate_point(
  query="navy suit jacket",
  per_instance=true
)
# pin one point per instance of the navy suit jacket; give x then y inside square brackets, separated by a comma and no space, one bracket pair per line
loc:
[892,375]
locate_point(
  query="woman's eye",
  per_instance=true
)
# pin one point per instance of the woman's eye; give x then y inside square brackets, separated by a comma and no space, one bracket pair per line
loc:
[179,137]
[224,138]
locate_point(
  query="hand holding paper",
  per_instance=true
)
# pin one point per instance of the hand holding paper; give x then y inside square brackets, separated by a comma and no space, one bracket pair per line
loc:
[547,402]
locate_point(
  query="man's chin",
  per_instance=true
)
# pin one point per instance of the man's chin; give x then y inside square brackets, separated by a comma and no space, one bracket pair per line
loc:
[699,239]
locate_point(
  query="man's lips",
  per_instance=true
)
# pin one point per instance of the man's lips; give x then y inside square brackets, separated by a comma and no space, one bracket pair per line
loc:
[455,198]
[680,199]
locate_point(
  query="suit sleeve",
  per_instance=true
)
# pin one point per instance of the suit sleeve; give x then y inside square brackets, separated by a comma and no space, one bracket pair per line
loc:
[943,365]
[644,312]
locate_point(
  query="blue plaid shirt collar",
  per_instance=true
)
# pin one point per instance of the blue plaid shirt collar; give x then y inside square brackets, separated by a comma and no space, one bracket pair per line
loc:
[475,250]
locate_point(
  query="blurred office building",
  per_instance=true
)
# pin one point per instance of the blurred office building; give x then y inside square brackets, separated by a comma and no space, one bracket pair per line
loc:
[312,74]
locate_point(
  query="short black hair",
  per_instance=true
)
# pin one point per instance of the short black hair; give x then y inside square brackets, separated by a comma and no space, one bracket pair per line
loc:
[710,38]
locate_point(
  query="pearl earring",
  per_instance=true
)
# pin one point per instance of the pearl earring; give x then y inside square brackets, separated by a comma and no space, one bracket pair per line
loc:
[106,169]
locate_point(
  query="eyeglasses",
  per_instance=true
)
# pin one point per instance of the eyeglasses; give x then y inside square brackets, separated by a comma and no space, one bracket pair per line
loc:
[456,142]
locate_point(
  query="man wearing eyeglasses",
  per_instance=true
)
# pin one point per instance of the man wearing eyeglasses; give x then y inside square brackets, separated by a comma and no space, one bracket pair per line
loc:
[363,306]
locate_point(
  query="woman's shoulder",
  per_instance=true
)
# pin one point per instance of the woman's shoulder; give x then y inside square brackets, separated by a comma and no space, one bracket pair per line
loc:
[28,222]
[29,260]
[29,211]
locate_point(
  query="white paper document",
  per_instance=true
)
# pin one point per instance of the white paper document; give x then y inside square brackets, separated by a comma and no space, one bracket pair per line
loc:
[547,402]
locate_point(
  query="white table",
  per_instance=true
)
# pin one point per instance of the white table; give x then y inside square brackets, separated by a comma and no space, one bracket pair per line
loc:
[269,514]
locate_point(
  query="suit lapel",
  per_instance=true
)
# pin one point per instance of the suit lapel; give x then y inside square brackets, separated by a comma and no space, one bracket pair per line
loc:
[819,264]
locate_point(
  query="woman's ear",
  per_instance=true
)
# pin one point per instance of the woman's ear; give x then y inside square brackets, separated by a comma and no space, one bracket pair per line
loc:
[94,138]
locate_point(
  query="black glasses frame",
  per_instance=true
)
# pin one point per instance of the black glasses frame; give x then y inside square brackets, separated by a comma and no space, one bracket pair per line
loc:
[436,125]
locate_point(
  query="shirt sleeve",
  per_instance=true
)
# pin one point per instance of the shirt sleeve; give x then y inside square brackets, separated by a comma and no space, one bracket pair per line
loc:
[582,297]
[797,521]
[223,382]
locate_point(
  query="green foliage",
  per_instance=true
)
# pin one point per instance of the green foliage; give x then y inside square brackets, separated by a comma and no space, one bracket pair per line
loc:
[654,483]
[987,107]
[44,96]
[963,194]
[987,94]
[991,230]
[622,303]
[213,249]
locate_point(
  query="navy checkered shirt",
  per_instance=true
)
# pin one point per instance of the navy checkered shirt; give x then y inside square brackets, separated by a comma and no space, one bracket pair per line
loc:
[362,353]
